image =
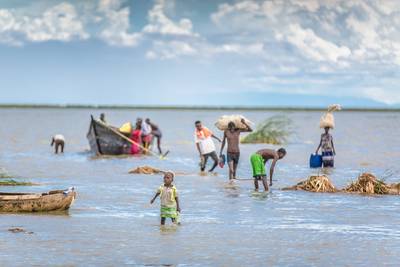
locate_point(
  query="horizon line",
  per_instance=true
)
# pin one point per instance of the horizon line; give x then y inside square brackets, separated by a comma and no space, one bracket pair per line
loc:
[193,107]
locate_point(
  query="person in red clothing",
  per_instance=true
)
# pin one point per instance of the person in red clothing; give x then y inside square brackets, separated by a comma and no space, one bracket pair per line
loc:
[137,138]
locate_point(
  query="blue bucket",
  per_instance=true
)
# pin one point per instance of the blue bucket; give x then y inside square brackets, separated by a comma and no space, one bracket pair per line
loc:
[315,161]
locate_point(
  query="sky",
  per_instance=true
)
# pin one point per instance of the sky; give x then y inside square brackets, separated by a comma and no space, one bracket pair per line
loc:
[201,52]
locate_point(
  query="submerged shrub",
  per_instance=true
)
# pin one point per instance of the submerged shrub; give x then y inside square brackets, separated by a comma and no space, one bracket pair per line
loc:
[274,130]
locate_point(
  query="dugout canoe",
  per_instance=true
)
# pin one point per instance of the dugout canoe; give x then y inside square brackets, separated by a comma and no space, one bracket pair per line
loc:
[104,141]
[57,200]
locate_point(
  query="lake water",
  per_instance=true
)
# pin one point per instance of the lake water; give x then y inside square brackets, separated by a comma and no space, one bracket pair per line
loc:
[112,224]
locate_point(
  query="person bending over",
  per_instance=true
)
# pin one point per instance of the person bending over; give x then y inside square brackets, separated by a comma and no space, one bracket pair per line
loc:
[258,161]
[58,141]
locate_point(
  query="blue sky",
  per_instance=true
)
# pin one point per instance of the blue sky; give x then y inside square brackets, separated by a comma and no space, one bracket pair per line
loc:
[208,52]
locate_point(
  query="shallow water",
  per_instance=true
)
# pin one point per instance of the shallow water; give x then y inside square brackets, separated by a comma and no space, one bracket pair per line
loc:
[111,222]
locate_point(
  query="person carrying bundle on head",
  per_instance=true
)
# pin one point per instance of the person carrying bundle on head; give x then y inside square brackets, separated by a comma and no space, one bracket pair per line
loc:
[232,137]
[326,142]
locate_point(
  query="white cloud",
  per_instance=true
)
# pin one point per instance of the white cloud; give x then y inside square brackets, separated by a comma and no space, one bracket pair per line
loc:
[314,46]
[116,32]
[387,96]
[58,23]
[280,21]
[309,5]
[235,48]
[170,50]
[161,24]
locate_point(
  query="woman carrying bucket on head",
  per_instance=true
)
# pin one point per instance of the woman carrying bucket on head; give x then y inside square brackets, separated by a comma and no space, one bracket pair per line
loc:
[326,143]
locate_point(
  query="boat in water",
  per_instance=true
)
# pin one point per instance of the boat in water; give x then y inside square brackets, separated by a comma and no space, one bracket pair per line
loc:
[106,140]
[57,200]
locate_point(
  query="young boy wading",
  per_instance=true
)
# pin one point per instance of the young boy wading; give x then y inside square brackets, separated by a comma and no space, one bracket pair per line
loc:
[169,199]
[232,136]
[258,161]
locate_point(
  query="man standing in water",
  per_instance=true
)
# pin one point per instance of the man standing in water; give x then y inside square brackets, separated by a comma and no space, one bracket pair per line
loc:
[156,132]
[232,136]
[59,142]
[258,161]
[205,145]
[103,118]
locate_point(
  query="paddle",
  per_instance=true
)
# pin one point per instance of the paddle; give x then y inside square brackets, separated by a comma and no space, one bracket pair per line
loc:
[133,142]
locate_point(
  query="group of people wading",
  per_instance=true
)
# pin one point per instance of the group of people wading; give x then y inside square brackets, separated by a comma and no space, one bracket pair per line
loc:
[206,148]
[144,132]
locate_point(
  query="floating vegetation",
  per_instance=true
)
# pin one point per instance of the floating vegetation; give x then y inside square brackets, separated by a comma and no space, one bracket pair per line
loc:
[16,230]
[367,183]
[320,184]
[146,170]
[12,182]
[275,130]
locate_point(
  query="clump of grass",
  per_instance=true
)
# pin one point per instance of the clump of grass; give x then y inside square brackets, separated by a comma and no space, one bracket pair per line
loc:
[146,170]
[367,183]
[11,182]
[274,130]
[316,183]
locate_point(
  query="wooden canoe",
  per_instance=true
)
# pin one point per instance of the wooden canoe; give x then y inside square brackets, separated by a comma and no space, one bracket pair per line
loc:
[104,141]
[57,200]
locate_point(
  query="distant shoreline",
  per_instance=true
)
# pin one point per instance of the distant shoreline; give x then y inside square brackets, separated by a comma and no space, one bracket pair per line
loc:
[166,107]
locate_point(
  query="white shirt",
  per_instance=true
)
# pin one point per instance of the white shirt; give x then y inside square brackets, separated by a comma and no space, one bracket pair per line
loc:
[206,143]
[59,137]
[146,128]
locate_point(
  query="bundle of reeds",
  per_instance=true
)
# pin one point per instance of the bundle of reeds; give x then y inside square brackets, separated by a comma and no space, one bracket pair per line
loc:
[223,121]
[367,183]
[146,170]
[275,130]
[315,183]
[394,189]
[328,120]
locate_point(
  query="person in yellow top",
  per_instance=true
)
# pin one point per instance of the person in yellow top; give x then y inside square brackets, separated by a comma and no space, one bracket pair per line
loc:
[169,199]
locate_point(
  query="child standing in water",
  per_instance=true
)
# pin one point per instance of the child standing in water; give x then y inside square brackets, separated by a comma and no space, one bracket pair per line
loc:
[169,198]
